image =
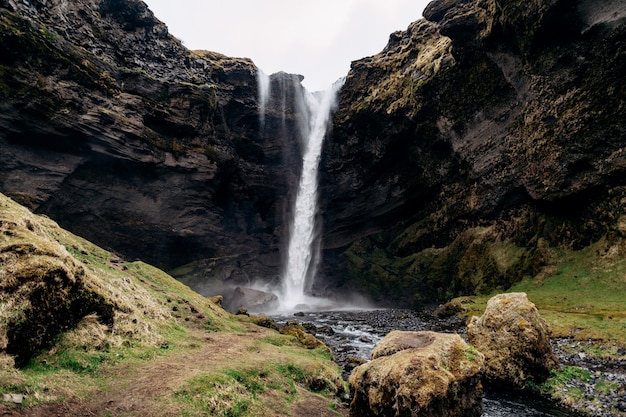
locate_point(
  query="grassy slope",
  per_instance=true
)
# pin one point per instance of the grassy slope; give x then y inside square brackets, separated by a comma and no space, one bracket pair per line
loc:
[168,351]
[581,294]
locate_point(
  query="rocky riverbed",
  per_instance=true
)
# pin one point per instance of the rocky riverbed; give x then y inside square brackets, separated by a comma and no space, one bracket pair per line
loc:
[601,390]
[598,391]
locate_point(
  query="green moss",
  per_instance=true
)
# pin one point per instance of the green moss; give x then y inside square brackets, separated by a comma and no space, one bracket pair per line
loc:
[476,262]
[471,353]
[557,381]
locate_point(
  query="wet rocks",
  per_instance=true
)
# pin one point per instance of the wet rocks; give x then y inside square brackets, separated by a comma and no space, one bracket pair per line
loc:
[298,331]
[250,299]
[515,341]
[419,373]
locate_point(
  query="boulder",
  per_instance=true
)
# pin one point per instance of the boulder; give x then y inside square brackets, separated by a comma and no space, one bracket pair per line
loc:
[298,331]
[515,341]
[419,373]
[453,307]
[250,299]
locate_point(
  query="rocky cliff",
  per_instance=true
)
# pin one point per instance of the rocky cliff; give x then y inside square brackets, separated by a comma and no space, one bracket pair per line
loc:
[479,142]
[109,125]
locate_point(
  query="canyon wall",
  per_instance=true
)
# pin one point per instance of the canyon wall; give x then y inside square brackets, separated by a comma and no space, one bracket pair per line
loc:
[109,125]
[478,143]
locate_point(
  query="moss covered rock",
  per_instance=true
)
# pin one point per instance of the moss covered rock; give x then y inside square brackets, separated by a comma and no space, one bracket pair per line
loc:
[298,331]
[515,341]
[419,373]
[473,136]
[43,289]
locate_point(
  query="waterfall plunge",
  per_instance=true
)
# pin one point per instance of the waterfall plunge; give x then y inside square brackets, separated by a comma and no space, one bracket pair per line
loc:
[303,245]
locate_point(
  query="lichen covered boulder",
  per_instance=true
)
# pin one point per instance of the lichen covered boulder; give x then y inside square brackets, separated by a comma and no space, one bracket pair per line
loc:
[515,341]
[298,331]
[419,373]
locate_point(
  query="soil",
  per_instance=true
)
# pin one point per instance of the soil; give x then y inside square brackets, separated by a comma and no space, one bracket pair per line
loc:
[138,388]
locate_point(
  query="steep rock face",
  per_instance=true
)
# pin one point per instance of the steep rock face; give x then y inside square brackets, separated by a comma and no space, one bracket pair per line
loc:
[474,141]
[109,125]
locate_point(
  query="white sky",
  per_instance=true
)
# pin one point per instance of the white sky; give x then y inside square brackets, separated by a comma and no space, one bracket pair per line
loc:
[315,38]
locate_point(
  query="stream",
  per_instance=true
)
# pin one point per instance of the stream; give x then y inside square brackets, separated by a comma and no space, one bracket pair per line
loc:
[353,334]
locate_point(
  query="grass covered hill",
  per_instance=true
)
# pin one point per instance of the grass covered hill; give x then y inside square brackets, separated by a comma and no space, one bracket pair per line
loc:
[82,332]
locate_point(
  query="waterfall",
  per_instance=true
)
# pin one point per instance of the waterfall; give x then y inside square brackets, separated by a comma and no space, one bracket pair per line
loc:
[263,85]
[303,245]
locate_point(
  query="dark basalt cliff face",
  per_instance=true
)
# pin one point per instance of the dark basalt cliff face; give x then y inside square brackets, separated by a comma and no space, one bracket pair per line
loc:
[481,139]
[109,125]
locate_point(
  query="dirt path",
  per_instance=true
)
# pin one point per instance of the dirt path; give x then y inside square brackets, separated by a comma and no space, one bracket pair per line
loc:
[138,389]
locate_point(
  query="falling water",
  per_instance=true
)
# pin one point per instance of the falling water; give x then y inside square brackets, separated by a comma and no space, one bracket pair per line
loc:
[302,243]
[263,84]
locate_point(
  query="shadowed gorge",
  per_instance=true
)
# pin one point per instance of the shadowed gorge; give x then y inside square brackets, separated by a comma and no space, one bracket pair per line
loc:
[479,138]
[482,151]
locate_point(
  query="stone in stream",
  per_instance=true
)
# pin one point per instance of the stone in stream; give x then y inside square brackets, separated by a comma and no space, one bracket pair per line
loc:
[419,373]
[515,341]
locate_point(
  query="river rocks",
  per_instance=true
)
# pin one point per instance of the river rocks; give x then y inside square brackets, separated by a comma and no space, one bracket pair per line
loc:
[298,331]
[419,373]
[250,299]
[515,341]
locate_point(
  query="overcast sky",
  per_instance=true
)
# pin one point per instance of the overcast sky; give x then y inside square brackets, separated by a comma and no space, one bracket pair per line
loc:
[317,39]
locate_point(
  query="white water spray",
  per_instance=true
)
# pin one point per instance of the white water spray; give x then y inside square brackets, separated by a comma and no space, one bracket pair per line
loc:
[302,242]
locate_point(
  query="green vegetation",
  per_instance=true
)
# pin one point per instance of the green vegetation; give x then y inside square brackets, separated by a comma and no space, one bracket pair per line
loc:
[560,385]
[580,292]
[470,353]
[228,393]
[581,295]
[476,262]
[204,359]
[241,392]
[558,379]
